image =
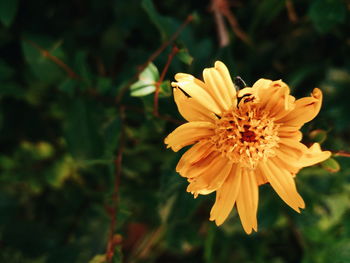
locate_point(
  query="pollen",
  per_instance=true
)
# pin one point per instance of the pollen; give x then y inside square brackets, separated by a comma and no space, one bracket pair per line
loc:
[246,135]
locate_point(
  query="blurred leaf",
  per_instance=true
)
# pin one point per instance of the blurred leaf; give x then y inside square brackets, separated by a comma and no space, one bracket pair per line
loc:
[68,86]
[337,206]
[44,69]
[8,10]
[164,24]
[325,14]
[118,256]
[209,244]
[185,57]
[331,165]
[81,65]
[266,11]
[61,171]
[318,136]
[165,209]
[165,89]
[104,85]
[338,252]
[146,83]
[6,71]
[98,259]
[81,132]
[111,136]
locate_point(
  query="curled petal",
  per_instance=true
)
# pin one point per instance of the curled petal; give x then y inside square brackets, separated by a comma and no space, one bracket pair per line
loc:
[188,133]
[200,167]
[274,97]
[212,177]
[305,110]
[193,155]
[314,155]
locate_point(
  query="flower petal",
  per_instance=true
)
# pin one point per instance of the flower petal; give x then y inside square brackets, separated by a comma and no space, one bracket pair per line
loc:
[190,109]
[283,183]
[305,110]
[274,97]
[199,167]
[247,201]
[226,196]
[314,155]
[196,153]
[189,133]
[212,178]
[225,74]
[195,89]
[220,85]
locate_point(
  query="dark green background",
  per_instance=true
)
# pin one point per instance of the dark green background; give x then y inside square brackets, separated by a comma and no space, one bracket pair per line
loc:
[60,134]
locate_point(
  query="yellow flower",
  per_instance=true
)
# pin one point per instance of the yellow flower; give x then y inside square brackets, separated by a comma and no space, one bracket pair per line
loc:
[242,140]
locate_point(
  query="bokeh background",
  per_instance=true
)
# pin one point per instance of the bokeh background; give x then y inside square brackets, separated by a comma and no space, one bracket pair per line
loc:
[84,173]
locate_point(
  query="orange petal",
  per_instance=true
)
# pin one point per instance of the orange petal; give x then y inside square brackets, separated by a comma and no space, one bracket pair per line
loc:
[226,196]
[294,135]
[189,133]
[220,85]
[283,183]
[225,74]
[195,89]
[305,110]
[196,153]
[199,167]
[212,178]
[190,109]
[314,155]
[247,201]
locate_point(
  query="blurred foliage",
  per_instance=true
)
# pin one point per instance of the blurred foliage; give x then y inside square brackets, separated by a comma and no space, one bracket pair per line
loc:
[70,104]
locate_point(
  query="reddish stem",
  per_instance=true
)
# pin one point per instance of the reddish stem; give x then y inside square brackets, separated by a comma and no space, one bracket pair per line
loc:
[154,56]
[54,59]
[162,76]
[115,240]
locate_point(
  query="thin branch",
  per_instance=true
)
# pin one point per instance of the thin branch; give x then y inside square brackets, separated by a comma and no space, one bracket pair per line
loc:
[224,39]
[292,15]
[154,55]
[114,240]
[342,153]
[54,59]
[173,52]
[223,6]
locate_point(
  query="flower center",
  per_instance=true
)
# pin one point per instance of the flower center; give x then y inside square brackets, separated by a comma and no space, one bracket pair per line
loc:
[246,135]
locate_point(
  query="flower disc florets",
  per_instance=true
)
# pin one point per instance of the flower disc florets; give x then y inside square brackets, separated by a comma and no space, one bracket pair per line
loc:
[246,135]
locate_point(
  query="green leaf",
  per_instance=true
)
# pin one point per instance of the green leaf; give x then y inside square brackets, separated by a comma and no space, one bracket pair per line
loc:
[146,83]
[325,14]
[338,252]
[44,69]
[98,259]
[111,136]
[165,25]
[331,165]
[6,71]
[104,85]
[8,10]
[318,135]
[209,244]
[165,89]
[81,132]
[185,57]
